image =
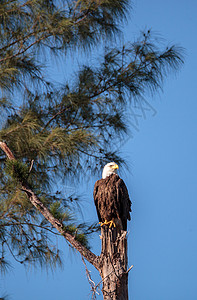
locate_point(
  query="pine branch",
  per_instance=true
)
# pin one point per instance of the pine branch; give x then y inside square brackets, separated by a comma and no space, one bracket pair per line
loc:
[29,224]
[19,6]
[36,202]
[25,49]
[14,256]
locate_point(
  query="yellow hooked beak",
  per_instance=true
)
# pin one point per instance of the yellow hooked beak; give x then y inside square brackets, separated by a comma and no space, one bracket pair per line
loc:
[114,167]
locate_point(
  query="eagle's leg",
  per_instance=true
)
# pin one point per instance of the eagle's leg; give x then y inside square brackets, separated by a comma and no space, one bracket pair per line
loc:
[110,223]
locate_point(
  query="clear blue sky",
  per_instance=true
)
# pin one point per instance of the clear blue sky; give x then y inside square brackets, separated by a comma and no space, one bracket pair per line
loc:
[162,183]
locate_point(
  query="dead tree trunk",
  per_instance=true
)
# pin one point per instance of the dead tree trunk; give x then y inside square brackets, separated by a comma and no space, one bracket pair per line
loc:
[113,264]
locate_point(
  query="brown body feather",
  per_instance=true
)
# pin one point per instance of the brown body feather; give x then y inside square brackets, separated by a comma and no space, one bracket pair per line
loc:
[111,199]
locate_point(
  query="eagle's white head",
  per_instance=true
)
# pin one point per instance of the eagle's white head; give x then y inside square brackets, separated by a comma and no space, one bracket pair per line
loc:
[110,168]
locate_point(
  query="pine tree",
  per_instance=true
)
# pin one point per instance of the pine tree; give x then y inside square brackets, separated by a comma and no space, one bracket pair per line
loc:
[51,131]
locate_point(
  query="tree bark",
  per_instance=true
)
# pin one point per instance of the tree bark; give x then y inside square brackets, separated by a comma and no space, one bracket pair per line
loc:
[113,264]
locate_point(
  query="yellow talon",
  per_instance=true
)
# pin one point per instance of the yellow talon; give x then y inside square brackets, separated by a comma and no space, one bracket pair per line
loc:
[110,223]
[103,223]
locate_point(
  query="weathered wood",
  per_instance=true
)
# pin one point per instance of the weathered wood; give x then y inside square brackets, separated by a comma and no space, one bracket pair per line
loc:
[113,264]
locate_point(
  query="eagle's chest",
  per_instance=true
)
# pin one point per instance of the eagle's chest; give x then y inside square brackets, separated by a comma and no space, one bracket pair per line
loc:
[107,203]
[108,192]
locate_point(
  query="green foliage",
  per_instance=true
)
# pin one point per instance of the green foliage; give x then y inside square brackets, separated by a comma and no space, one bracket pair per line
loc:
[25,234]
[63,215]
[65,131]
[17,170]
[58,212]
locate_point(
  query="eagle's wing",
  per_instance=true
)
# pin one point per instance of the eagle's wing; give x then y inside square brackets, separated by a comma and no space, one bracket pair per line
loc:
[124,203]
[96,199]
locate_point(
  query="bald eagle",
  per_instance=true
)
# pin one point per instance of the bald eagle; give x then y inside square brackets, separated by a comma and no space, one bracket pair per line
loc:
[111,198]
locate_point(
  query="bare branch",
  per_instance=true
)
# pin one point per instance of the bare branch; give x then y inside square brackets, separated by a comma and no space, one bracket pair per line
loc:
[31,166]
[7,151]
[92,283]
[129,269]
